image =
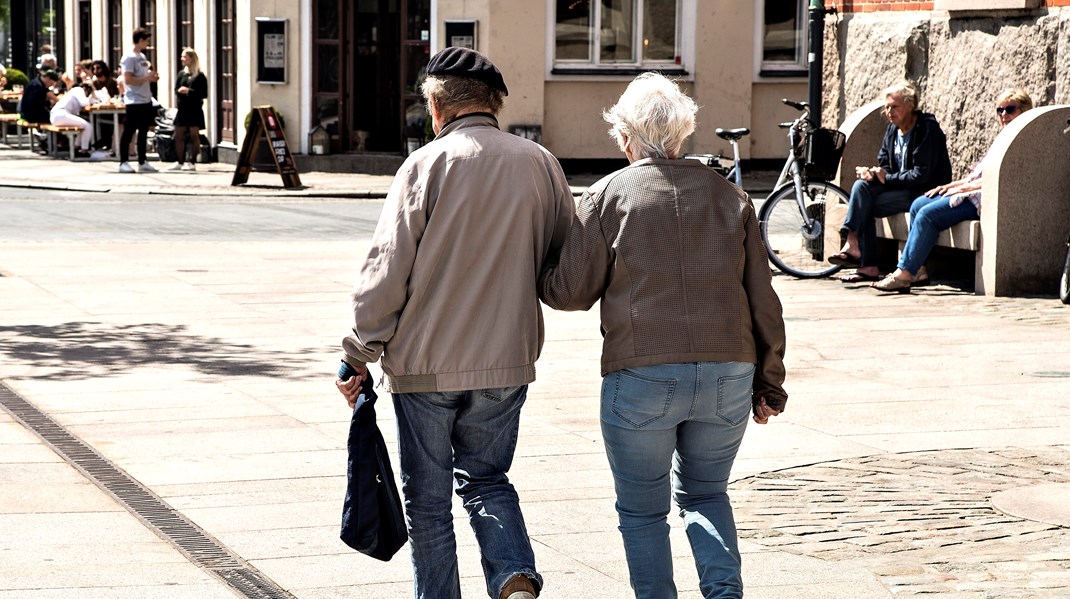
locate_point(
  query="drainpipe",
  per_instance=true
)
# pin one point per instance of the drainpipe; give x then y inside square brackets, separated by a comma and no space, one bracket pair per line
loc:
[816,58]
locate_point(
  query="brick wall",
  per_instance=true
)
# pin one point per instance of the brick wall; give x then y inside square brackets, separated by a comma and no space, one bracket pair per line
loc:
[852,6]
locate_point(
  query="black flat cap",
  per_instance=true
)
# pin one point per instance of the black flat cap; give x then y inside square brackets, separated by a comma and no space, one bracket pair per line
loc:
[462,62]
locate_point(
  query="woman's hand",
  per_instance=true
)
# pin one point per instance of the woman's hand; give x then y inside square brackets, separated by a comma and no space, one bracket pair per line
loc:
[762,412]
[183,90]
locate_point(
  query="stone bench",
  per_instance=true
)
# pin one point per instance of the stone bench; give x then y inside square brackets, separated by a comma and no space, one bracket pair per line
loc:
[1025,214]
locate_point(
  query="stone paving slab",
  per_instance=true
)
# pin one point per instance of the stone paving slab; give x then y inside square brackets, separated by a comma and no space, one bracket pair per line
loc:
[228,415]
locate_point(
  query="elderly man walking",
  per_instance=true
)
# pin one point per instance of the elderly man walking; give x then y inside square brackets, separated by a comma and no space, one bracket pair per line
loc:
[447,298]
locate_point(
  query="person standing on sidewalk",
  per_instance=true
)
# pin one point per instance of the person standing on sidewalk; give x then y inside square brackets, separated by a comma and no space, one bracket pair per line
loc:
[191,87]
[693,335]
[137,78]
[447,299]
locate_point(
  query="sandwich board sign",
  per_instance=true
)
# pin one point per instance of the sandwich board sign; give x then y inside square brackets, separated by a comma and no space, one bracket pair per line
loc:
[264,127]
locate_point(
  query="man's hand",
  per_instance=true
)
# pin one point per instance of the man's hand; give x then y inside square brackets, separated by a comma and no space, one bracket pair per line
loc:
[350,388]
[763,412]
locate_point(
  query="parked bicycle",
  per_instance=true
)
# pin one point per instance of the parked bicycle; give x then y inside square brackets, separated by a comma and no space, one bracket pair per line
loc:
[792,217]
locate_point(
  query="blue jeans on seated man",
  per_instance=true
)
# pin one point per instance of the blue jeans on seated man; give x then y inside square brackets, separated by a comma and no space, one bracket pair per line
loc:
[686,420]
[462,440]
[929,216]
[868,202]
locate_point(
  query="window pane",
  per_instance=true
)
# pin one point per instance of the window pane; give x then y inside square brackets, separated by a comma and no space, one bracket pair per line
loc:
[617,28]
[780,38]
[329,65]
[659,30]
[573,30]
[327,19]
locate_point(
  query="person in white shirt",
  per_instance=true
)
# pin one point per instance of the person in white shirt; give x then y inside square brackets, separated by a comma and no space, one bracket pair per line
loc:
[66,110]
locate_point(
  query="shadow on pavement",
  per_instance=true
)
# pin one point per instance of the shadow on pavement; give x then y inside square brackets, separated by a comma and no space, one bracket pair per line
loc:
[80,350]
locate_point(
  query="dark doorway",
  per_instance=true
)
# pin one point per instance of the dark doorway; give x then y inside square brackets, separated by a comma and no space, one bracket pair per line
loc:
[369,58]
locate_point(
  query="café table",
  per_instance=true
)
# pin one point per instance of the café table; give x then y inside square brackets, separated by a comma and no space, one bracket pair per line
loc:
[104,112]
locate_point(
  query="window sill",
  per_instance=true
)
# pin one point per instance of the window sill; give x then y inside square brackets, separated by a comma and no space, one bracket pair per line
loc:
[784,74]
[618,72]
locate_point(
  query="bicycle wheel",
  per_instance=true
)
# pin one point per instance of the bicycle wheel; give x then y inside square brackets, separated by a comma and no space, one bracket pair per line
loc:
[793,247]
[1064,281]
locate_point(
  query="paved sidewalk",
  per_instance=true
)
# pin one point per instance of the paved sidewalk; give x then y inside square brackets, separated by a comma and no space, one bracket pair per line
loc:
[23,168]
[925,450]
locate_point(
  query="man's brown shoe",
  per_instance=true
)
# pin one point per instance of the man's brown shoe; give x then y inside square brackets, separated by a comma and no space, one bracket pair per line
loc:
[518,587]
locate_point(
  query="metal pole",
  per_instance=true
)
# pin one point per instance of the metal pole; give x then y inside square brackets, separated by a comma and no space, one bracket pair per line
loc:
[816,58]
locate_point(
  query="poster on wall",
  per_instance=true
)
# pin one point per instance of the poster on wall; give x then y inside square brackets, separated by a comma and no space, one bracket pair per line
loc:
[271,51]
[461,33]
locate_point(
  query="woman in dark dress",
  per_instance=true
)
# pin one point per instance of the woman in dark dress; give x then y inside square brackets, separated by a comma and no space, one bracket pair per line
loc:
[191,87]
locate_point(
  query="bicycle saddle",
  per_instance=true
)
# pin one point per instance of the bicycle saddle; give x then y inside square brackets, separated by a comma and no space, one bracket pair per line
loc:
[732,134]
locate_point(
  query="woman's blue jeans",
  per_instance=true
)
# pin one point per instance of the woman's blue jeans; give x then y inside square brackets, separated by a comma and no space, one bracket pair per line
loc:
[463,441]
[868,202]
[929,216]
[672,431]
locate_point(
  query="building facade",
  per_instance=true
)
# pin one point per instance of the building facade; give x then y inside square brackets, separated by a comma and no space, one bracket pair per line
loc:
[352,68]
[960,53]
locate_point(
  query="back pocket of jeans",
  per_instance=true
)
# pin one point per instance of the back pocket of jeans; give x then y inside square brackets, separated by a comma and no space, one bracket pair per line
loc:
[734,396]
[636,399]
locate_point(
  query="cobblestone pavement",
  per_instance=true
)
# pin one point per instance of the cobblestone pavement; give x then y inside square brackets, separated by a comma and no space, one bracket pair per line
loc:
[923,522]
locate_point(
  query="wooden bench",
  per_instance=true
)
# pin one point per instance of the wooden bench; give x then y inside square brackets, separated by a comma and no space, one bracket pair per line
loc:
[6,120]
[1026,210]
[54,131]
[30,128]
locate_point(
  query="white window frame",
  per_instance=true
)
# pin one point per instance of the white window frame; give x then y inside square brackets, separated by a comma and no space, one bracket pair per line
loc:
[594,68]
[765,70]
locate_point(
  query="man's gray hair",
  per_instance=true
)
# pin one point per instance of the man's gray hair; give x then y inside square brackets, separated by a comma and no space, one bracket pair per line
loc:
[906,91]
[454,95]
[653,117]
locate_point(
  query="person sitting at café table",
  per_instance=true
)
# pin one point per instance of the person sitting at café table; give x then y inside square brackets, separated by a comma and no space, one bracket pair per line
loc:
[66,111]
[38,97]
[47,62]
[104,82]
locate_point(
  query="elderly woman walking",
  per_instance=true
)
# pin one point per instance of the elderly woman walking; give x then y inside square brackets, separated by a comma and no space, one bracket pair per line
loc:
[693,335]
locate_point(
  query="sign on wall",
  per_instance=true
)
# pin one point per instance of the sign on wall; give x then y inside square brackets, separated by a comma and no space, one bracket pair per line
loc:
[271,51]
[462,34]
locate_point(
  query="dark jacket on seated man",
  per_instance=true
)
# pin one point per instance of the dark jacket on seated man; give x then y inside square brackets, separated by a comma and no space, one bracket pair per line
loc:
[36,103]
[927,164]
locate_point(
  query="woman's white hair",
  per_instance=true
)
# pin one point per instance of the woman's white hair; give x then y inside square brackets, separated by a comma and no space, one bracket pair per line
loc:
[652,118]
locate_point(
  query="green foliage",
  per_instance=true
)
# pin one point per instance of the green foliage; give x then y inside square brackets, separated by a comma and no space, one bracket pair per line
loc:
[15,77]
[249,118]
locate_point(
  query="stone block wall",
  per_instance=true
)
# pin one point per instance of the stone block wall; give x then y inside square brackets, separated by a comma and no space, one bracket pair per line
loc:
[960,62]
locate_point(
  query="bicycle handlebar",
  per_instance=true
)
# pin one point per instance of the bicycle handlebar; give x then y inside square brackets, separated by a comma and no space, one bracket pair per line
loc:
[796,105]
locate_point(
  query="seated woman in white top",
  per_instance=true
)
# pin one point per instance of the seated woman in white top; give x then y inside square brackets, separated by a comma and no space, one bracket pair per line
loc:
[66,110]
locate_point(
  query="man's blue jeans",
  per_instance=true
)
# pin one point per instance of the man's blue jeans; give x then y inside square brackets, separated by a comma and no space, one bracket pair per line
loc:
[929,216]
[868,202]
[463,441]
[687,420]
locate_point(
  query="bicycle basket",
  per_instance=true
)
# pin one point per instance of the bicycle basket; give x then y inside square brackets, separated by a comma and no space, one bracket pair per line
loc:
[823,150]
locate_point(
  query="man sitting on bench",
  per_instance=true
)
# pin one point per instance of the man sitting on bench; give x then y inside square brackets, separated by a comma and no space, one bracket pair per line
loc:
[38,98]
[945,206]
